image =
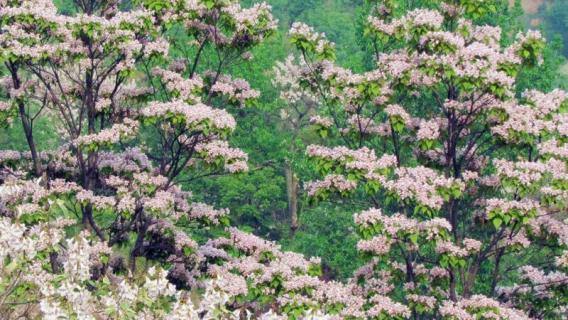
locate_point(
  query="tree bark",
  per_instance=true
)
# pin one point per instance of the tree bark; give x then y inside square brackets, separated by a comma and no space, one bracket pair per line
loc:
[292,185]
[137,251]
[470,278]
[26,122]
[28,130]
[495,274]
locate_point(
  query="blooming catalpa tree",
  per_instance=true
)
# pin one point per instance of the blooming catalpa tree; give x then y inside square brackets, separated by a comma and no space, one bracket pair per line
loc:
[44,274]
[296,115]
[220,33]
[467,179]
[85,72]
[88,74]
[81,71]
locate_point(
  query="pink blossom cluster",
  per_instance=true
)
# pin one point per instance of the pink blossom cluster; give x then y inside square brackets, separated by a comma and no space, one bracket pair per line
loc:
[27,208]
[434,39]
[98,202]
[126,204]
[539,115]
[518,240]
[428,130]
[290,268]
[524,172]
[381,25]
[237,90]
[478,305]
[158,47]
[247,19]
[384,306]
[395,110]
[422,185]
[4,106]
[524,206]
[363,159]
[540,281]
[424,18]
[304,32]
[562,261]
[527,38]
[486,34]
[131,160]
[397,64]
[61,186]
[469,59]
[398,226]
[448,248]
[10,155]
[520,119]
[343,76]
[120,28]
[185,89]
[546,103]
[287,74]
[418,18]
[146,179]
[546,226]
[378,245]
[472,245]
[450,10]
[18,36]
[233,159]
[554,148]
[332,182]
[161,202]
[204,211]
[369,217]
[194,117]
[249,243]
[108,136]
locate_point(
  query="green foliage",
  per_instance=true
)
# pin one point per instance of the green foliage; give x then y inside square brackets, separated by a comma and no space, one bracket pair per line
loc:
[329,233]
[13,136]
[554,17]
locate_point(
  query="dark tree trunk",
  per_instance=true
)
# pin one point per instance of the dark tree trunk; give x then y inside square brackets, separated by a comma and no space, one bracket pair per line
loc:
[26,121]
[292,185]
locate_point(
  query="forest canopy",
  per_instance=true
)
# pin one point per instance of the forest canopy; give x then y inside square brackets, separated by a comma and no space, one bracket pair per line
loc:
[226,159]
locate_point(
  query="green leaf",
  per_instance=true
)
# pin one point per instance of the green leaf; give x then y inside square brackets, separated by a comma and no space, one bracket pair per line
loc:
[497,222]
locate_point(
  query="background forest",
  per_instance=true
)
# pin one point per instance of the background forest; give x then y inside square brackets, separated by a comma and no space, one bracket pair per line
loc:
[259,200]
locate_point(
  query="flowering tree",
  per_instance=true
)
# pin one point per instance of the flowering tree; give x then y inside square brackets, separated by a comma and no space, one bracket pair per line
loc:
[296,115]
[470,180]
[45,274]
[82,70]
[467,179]
[88,73]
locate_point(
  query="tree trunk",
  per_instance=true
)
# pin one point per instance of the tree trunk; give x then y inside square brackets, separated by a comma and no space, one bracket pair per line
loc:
[26,122]
[495,274]
[292,192]
[470,278]
[137,251]
[89,223]
[453,293]
[28,130]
